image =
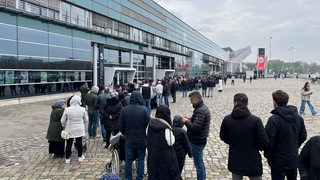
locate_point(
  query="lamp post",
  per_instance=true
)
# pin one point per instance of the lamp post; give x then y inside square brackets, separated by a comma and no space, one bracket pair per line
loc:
[270,38]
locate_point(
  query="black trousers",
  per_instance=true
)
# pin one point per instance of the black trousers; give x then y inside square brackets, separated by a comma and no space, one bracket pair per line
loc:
[174,97]
[78,146]
[108,135]
[280,174]
[56,147]
[181,163]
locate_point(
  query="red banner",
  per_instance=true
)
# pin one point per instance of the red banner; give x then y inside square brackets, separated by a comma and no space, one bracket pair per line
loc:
[260,63]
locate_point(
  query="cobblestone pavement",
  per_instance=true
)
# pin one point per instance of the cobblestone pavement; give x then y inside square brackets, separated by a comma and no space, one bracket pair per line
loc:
[24,149]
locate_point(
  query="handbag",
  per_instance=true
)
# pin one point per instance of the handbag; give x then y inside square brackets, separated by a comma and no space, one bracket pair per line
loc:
[64,133]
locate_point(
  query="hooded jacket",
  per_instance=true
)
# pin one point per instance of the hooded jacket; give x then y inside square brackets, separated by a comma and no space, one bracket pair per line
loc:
[309,159]
[162,160]
[199,124]
[55,127]
[286,132]
[245,135]
[112,108]
[134,120]
[74,117]
[181,144]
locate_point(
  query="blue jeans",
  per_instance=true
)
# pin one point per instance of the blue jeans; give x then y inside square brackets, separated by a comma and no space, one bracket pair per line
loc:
[159,99]
[210,91]
[197,153]
[93,121]
[166,100]
[147,104]
[184,93]
[196,87]
[103,130]
[303,106]
[130,155]
[204,92]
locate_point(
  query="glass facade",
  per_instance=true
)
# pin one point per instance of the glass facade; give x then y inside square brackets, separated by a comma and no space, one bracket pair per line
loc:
[50,44]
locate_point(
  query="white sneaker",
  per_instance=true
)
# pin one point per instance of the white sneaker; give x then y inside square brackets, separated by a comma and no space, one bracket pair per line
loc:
[67,161]
[80,159]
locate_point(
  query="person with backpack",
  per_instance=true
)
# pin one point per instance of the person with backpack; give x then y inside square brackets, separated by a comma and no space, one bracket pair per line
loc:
[146,91]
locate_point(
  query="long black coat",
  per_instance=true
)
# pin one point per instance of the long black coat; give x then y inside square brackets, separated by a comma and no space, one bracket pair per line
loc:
[282,152]
[245,135]
[162,160]
[55,127]
[113,108]
[181,144]
[309,159]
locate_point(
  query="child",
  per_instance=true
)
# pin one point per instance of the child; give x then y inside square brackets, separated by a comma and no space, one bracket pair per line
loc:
[181,144]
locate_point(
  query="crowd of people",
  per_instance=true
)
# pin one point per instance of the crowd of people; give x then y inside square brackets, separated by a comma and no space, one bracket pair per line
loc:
[127,109]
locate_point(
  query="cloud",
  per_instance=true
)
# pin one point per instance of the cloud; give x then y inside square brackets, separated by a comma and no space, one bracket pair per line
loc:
[247,22]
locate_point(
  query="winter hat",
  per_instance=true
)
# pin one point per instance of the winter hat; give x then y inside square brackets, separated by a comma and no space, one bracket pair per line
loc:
[95,89]
[177,121]
[110,176]
[60,102]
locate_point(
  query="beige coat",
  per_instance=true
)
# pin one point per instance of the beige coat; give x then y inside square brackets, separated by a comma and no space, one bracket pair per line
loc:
[305,95]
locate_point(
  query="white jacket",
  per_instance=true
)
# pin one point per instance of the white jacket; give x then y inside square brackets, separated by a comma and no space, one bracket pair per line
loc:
[305,95]
[73,118]
[159,88]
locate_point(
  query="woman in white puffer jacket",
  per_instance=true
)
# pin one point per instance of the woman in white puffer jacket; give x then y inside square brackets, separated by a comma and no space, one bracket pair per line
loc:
[73,120]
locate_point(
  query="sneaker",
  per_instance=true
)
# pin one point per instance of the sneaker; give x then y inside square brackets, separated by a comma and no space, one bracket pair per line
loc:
[67,161]
[80,159]
[315,114]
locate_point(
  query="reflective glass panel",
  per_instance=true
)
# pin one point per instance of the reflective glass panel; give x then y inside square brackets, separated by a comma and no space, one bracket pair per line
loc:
[8,47]
[27,62]
[81,44]
[80,54]
[32,35]
[8,62]
[125,57]
[59,40]
[8,32]
[60,52]
[32,49]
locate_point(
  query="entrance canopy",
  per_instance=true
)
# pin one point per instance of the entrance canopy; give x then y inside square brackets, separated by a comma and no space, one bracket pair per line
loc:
[164,73]
[110,73]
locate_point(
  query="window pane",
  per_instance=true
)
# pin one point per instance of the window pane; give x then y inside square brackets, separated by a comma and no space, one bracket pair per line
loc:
[26,62]
[79,54]
[32,49]
[43,11]
[81,65]
[32,36]
[66,12]
[55,63]
[59,40]
[8,32]
[111,56]
[8,47]
[81,44]
[8,62]
[125,58]
[60,52]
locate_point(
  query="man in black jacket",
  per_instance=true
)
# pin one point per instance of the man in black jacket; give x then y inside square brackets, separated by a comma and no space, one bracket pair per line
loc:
[286,132]
[134,120]
[198,130]
[245,135]
[173,88]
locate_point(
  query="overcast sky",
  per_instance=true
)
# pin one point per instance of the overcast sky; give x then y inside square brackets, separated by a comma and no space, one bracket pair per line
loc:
[239,23]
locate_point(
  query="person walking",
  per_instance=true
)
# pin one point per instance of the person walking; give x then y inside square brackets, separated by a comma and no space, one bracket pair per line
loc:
[245,135]
[159,90]
[198,127]
[134,120]
[305,98]
[309,159]
[92,103]
[56,142]
[181,144]
[73,120]
[146,91]
[162,161]
[286,132]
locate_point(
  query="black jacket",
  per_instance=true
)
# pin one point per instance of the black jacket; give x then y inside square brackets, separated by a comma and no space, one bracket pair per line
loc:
[211,83]
[181,144]
[245,135]
[134,120]
[55,127]
[166,90]
[162,160]
[174,87]
[199,124]
[184,85]
[286,132]
[92,102]
[204,84]
[113,108]
[309,159]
